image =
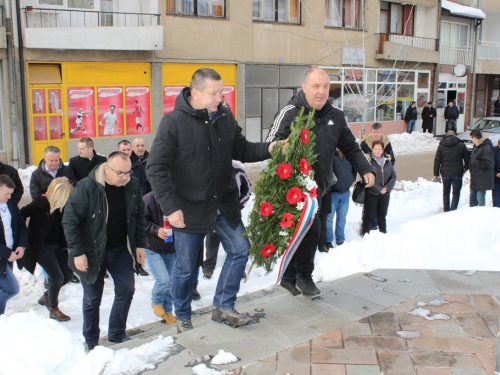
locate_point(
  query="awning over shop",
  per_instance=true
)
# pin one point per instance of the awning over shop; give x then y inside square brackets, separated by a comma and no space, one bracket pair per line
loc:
[462,10]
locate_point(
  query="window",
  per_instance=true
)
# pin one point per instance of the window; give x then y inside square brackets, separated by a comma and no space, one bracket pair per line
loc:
[201,8]
[82,4]
[454,34]
[283,11]
[344,13]
[400,18]
[50,2]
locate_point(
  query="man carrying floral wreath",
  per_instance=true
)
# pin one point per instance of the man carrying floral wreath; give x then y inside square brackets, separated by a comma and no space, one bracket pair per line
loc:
[331,132]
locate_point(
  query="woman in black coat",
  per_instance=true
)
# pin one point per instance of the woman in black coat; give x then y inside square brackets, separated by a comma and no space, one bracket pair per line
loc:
[377,197]
[47,244]
[428,116]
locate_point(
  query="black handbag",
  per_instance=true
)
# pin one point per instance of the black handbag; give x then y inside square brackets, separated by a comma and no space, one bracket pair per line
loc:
[358,193]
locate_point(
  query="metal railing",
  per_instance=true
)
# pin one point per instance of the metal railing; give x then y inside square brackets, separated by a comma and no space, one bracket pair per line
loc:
[406,40]
[488,50]
[455,55]
[50,17]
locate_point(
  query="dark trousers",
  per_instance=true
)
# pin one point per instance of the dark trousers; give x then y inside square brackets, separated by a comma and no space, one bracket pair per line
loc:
[324,211]
[212,243]
[496,193]
[451,125]
[450,182]
[118,262]
[54,261]
[429,130]
[380,205]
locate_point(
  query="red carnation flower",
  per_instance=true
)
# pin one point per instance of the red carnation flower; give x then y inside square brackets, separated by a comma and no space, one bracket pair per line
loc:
[284,171]
[294,195]
[266,209]
[268,250]
[313,193]
[304,166]
[287,220]
[304,135]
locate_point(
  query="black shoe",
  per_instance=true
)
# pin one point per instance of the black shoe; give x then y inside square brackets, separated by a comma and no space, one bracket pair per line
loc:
[89,347]
[196,295]
[207,275]
[44,300]
[306,285]
[340,243]
[46,283]
[123,339]
[184,325]
[141,271]
[75,279]
[244,275]
[330,245]
[106,275]
[323,248]
[289,285]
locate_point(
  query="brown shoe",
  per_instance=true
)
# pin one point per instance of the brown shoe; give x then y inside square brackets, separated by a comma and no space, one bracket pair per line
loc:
[58,315]
[44,300]
[169,318]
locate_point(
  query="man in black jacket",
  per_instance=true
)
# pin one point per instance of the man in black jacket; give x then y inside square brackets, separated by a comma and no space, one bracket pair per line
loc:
[481,164]
[428,116]
[191,173]
[104,225]
[496,105]
[496,189]
[138,170]
[50,167]
[451,115]
[139,152]
[86,160]
[451,162]
[331,132]
[411,117]
[14,175]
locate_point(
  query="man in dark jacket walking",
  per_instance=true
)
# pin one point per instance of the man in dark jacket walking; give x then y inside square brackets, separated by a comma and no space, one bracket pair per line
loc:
[428,116]
[139,152]
[49,168]
[86,160]
[451,162]
[104,226]
[451,115]
[481,164]
[331,132]
[496,111]
[496,188]
[14,175]
[191,173]
[411,117]
[138,170]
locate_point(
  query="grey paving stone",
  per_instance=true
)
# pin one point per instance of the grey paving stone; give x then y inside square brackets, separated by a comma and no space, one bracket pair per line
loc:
[468,372]
[447,330]
[362,370]
[491,279]
[351,303]
[453,282]
[259,368]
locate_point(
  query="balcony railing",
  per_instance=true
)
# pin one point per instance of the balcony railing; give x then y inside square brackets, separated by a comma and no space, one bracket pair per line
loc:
[488,50]
[411,41]
[49,17]
[455,55]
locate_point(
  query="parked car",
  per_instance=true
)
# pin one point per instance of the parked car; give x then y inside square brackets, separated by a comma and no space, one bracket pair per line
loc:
[489,126]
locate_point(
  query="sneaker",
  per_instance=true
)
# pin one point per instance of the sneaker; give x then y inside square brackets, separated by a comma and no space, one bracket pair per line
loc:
[207,275]
[306,285]
[184,325]
[44,300]
[290,286]
[231,317]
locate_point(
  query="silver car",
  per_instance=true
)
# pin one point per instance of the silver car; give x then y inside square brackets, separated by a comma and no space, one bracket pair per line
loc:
[489,126]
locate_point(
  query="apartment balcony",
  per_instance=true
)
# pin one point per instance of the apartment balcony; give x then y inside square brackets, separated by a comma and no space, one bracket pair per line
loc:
[91,30]
[488,58]
[407,48]
[455,55]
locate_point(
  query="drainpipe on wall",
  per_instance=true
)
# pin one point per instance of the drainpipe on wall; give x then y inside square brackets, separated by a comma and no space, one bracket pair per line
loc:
[436,67]
[22,83]
[477,23]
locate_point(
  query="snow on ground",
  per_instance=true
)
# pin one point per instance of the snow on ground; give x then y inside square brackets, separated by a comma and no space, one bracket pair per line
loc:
[419,236]
[412,143]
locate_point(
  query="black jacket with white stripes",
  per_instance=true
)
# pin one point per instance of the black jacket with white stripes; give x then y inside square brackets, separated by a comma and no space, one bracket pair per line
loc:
[331,131]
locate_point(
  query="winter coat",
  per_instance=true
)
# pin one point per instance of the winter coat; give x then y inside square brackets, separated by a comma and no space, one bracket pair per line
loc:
[482,164]
[39,227]
[452,157]
[451,113]
[143,160]
[384,177]
[85,218]
[190,169]
[14,174]
[19,234]
[243,183]
[81,167]
[154,221]
[411,114]
[496,153]
[139,173]
[345,173]
[41,179]
[331,132]
[366,147]
[497,108]
[427,120]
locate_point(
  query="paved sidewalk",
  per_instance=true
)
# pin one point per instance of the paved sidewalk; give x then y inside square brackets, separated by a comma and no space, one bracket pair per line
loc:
[361,325]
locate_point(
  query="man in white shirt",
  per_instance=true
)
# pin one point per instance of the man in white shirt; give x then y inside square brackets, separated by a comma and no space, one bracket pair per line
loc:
[111,118]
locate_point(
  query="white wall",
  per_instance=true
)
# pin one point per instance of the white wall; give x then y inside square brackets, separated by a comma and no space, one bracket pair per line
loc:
[490,28]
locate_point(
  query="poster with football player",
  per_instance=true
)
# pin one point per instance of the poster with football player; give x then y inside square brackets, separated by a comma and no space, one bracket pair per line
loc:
[110,110]
[81,101]
[137,101]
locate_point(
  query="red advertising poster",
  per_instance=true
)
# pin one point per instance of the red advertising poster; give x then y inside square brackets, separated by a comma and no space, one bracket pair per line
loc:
[40,128]
[170,93]
[54,100]
[227,98]
[55,124]
[81,115]
[110,111]
[138,110]
[38,98]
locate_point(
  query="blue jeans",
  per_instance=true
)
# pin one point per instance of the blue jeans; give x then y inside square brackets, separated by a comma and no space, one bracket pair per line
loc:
[340,206]
[477,198]
[187,247]
[8,288]
[411,126]
[448,183]
[162,268]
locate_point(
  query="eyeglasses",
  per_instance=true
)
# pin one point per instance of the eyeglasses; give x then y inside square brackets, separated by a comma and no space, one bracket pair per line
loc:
[121,174]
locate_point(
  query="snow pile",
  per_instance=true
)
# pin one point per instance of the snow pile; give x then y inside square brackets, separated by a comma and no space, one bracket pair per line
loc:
[223,358]
[25,176]
[463,10]
[410,335]
[413,143]
[202,369]
[424,313]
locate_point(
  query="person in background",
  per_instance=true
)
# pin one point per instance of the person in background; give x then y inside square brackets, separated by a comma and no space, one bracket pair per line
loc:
[411,117]
[12,172]
[451,115]
[47,244]
[496,186]
[13,241]
[377,197]
[139,152]
[481,164]
[161,259]
[497,107]
[428,116]
[86,160]
[138,170]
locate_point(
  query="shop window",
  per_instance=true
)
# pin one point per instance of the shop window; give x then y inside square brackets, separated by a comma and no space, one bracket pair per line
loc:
[198,8]
[404,99]
[353,102]
[282,11]
[385,102]
[344,13]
